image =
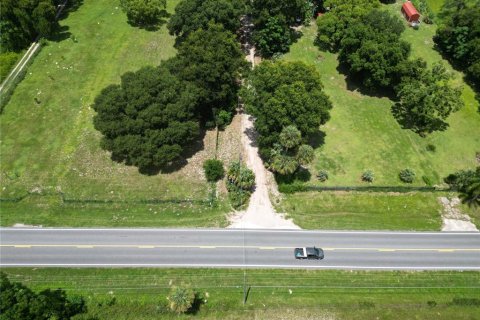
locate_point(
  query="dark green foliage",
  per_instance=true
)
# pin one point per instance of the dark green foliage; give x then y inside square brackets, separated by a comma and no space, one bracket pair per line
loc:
[292,11]
[148,119]
[333,25]
[22,21]
[460,180]
[322,175]
[144,12]
[407,175]
[372,50]
[458,36]
[289,154]
[19,302]
[213,169]
[212,60]
[431,148]
[427,180]
[368,176]
[274,38]
[240,184]
[426,98]
[191,15]
[273,19]
[279,94]
[7,62]
[223,118]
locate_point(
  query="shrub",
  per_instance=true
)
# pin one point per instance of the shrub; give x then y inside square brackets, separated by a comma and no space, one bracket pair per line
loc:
[181,299]
[223,118]
[240,183]
[407,175]
[322,175]
[213,170]
[431,148]
[427,180]
[7,61]
[144,12]
[368,176]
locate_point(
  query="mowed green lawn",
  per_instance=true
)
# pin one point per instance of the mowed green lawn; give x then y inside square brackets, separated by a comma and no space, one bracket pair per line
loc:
[274,294]
[48,143]
[362,133]
[364,210]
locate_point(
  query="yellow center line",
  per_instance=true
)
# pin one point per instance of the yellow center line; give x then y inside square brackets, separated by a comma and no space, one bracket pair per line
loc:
[146,247]
[266,248]
[207,247]
[445,250]
[84,247]
[386,250]
[22,246]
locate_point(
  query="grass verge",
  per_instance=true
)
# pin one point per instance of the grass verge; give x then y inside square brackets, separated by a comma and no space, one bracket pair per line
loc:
[273,294]
[49,145]
[363,210]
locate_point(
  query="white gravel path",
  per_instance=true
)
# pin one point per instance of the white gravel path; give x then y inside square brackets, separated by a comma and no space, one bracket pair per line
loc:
[260,213]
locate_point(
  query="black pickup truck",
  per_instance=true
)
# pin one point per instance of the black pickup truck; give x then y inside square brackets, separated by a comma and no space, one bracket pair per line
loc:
[308,253]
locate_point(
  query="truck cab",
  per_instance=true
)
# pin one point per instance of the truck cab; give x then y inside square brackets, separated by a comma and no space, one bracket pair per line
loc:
[308,253]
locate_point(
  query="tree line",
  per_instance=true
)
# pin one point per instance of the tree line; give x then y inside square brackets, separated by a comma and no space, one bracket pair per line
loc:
[369,45]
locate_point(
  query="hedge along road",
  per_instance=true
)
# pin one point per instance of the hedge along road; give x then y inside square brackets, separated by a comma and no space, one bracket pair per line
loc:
[39,247]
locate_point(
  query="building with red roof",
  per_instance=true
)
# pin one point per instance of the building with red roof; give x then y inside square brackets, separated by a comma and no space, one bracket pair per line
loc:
[410,13]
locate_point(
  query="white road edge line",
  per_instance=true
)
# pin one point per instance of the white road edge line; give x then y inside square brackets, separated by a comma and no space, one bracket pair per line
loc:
[233,266]
[440,233]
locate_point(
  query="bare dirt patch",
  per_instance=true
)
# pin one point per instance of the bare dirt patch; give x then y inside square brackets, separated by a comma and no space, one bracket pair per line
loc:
[453,219]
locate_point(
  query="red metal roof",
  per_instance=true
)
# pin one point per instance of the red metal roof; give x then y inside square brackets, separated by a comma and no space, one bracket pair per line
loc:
[410,10]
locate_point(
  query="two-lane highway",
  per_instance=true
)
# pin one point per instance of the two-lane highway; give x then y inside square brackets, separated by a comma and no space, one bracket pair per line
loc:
[237,248]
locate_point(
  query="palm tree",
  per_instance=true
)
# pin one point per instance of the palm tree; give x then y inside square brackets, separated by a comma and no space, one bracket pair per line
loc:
[181,299]
[471,193]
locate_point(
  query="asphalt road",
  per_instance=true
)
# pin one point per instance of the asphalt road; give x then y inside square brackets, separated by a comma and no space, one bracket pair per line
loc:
[237,248]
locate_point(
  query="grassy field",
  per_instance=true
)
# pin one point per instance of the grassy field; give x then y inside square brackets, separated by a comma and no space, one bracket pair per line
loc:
[435,5]
[363,210]
[362,133]
[274,294]
[48,144]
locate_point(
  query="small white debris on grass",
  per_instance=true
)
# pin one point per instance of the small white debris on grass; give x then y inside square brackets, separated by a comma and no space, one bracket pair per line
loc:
[290,291]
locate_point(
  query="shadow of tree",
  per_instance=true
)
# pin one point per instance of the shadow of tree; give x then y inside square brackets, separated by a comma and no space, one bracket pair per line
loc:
[317,139]
[62,34]
[153,25]
[354,83]
[197,303]
[407,120]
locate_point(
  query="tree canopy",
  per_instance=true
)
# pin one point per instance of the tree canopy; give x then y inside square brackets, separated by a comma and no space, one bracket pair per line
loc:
[213,61]
[191,15]
[148,119]
[22,21]
[19,302]
[273,38]
[458,35]
[372,50]
[144,12]
[279,94]
[427,98]
[333,25]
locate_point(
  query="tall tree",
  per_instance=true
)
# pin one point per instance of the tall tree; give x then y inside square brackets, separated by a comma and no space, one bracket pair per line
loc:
[212,60]
[144,12]
[426,99]
[191,15]
[458,36]
[340,15]
[280,94]
[274,37]
[22,21]
[148,119]
[19,302]
[373,51]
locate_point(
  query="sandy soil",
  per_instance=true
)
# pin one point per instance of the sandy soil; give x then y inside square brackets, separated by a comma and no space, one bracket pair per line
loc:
[260,213]
[452,218]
